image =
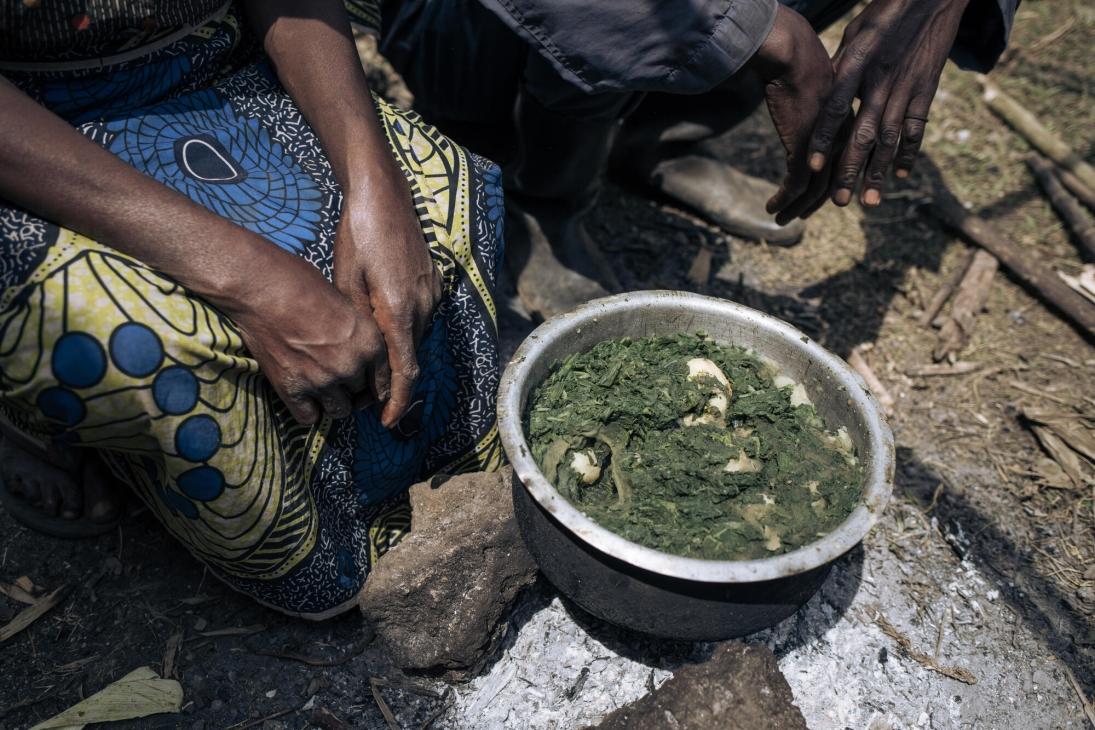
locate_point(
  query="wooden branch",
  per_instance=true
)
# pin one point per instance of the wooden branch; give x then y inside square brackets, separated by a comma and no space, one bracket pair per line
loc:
[1077,188]
[940,297]
[969,300]
[1023,264]
[881,393]
[1035,133]
[1074,216]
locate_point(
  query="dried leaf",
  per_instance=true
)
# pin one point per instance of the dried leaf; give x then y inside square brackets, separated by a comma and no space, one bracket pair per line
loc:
[170,654]
[17,593]
[1065,436]
[26,584]
[138,694]
[1075,429]
[1065,457]
[31,613]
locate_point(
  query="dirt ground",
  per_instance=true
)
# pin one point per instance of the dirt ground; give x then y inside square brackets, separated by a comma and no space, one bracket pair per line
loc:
[973,485]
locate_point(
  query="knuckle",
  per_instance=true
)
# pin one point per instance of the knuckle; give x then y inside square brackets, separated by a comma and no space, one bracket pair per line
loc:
[889,136]
[914,134]
[864,136]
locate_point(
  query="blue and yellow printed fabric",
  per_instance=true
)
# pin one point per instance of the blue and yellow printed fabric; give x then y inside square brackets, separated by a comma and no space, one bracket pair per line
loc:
[101,352]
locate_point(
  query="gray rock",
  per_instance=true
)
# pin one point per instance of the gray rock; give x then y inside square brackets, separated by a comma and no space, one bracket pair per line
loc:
[740,686]
[437,600]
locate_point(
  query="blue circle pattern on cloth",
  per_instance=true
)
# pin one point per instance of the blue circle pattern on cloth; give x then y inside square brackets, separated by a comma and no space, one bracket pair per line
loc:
[136,350]
[198,438]
[61,405]
[78,360]
[386,461]
[175,390]
[199,146]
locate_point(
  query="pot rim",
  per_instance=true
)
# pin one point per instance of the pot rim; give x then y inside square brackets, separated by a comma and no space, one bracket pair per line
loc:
[878,483]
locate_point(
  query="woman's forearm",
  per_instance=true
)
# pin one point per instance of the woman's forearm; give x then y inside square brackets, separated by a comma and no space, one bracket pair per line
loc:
[312,49]
[50,169]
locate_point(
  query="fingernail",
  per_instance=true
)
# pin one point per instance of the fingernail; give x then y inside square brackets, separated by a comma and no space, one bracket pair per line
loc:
[842,196]
[817,161]
[901,172]
[872,197]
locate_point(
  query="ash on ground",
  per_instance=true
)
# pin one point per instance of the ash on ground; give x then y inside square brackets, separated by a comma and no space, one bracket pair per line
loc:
[561,668]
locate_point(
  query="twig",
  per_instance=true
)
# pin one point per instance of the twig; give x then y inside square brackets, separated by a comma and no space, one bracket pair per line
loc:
[438,712]
[961,367]
[1077,188]
[310,660]
[170,654]
[959,673]
[1065,205]
[1088,706]
[260,720]
[384,709]
[413,687]
[969,300]
[1035,133]
[1036,276]
[31,613]
[1035,392]
[859,364]
[940,298]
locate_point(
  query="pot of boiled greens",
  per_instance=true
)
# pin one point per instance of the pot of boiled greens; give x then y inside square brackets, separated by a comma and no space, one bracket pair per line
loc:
[688,467]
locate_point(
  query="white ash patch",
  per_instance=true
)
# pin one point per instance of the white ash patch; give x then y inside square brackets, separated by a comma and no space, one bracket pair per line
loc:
[844,671]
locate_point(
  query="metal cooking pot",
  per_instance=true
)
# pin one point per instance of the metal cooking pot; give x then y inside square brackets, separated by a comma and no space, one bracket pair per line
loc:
[655,592]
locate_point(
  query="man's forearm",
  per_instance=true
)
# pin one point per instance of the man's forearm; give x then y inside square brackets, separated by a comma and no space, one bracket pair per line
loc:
[50,169]
[312,49]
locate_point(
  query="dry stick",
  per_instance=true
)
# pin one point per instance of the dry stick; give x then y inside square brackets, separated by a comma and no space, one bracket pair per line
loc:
[940,298]
[959,673]
[386,711]
[1065,205]
[969,300]
[1077,188]
[859,364]
[1027,125]
[1036,276]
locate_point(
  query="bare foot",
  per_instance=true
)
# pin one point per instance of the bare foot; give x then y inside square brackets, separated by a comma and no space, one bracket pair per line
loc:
[63,483]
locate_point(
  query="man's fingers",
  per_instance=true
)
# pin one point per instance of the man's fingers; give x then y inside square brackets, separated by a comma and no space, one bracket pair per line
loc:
[849,67]
[912,134]
[889,135]
[861,143]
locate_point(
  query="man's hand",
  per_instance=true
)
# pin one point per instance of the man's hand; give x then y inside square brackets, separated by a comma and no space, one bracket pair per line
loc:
[891,57]
[383,264]
[797,75]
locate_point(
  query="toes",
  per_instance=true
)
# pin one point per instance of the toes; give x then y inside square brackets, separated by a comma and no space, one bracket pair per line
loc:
[101,500]
[49,496]
[72,500]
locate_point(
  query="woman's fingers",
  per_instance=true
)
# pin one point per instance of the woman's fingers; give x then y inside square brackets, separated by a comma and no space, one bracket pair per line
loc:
[399,334]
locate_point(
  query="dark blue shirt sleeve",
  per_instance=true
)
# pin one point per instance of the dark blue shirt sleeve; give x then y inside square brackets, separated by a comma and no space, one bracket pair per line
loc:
[983,33]
[683,47]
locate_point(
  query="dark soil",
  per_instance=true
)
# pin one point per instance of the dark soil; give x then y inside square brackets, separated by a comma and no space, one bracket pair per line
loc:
[856,279]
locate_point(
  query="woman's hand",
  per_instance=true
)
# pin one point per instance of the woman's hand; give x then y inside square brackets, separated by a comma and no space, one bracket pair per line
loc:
[316,348]
[891,57]
[797,75]
[383,264]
